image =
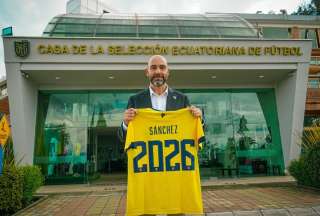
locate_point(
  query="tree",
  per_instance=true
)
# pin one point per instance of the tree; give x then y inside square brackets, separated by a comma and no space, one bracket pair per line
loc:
[311,8]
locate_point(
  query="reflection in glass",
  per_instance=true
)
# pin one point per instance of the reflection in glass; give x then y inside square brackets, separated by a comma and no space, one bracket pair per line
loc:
[242,133]
[76,133]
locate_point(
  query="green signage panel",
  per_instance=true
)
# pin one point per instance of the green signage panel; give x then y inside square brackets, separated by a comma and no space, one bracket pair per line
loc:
[7,31]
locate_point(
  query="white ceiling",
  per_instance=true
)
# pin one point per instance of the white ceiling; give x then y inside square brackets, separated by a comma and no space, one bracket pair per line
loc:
[178,78]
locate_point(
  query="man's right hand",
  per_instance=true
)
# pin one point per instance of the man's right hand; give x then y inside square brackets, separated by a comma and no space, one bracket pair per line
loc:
[129,115]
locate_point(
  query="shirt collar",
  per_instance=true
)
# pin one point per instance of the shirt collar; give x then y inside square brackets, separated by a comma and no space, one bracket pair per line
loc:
[152,93]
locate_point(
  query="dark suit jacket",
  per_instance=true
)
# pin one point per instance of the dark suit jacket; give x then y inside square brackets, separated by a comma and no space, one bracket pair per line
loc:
[175,100]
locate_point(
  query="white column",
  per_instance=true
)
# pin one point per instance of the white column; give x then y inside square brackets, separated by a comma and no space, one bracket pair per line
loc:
[291,98]
[299,109]
[22,94]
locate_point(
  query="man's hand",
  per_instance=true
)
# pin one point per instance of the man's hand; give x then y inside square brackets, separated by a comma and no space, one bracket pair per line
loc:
[196,112]
[129,115]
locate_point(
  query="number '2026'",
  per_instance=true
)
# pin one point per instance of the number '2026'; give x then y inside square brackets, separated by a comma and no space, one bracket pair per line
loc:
[164,164]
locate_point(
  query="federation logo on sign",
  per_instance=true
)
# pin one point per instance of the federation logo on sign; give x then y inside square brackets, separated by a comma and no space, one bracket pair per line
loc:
[22,48]
[4,130]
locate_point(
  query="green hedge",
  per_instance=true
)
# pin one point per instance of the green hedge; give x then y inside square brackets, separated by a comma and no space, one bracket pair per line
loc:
[32,180]
[11,190]
[306,169]
[17,186]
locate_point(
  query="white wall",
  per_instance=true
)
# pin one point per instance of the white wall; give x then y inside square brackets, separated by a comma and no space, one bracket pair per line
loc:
[23,107]
[299,108]
[290,96]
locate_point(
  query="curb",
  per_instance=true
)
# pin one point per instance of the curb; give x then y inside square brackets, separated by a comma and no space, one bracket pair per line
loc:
[41,199]
[108,189]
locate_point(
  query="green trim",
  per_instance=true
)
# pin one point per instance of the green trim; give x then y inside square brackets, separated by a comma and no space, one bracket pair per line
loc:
[89,91]
[93,110]
[235,90]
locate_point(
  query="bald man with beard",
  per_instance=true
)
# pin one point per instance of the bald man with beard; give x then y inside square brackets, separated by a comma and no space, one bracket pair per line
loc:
[158,96]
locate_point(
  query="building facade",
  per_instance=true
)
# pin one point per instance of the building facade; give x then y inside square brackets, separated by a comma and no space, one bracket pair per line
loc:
[68,91]
[296,27]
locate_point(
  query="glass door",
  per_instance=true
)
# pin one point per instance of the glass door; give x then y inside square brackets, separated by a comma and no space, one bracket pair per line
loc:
[218,157]
[242,133]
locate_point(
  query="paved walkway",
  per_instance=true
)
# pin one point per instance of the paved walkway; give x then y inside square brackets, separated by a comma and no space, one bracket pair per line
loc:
[219,199]
[120,185]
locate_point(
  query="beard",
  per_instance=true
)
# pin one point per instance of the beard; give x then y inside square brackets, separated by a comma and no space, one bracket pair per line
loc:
[158,81]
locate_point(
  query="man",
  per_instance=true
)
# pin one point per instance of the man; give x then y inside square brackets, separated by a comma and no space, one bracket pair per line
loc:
[158,96]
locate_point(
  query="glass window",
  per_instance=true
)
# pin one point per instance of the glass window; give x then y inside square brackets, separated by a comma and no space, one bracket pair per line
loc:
[193,23]
[223,18]
[71,34]
[312,35]
[228,24]
[242,133]
[276,33]
[195,26]
[309,34]
[236,32]
[156,22]
[314,83]
[157,30]
[49,27]
[315,60]
[76,133]
[61,143]
[74,28]
[118,21]
[197,31]
[75,21]
[117,29]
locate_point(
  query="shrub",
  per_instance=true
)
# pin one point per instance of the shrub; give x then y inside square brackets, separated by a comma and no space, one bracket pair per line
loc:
[32,180]
[306,170]
[17,186]
[310,161]
[11,188]
[296,170]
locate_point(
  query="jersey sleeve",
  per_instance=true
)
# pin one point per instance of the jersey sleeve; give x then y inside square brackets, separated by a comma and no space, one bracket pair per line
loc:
[200,135]
[129,137]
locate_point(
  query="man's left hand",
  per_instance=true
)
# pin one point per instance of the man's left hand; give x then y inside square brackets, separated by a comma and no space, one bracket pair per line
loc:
[196,112]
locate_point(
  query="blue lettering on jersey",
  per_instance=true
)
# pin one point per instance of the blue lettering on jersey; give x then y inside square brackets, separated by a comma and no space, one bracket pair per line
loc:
[157,146]
[175,151]
[143,152]
[185,154]
[151,145]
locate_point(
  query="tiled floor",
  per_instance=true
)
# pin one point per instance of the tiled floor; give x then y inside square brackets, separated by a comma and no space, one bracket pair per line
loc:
[215,200]
[258,198]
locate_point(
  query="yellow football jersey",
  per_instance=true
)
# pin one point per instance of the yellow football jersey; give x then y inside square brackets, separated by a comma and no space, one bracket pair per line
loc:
[163,169]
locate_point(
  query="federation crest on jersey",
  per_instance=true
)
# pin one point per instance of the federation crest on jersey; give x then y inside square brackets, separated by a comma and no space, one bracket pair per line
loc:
[22,48]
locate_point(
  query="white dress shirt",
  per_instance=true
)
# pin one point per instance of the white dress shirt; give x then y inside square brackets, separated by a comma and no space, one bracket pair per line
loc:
[158,102]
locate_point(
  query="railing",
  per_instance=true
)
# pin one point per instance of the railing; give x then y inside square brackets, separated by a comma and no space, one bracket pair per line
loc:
[313,95]
[315,52]
[313,100]
[315,60]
